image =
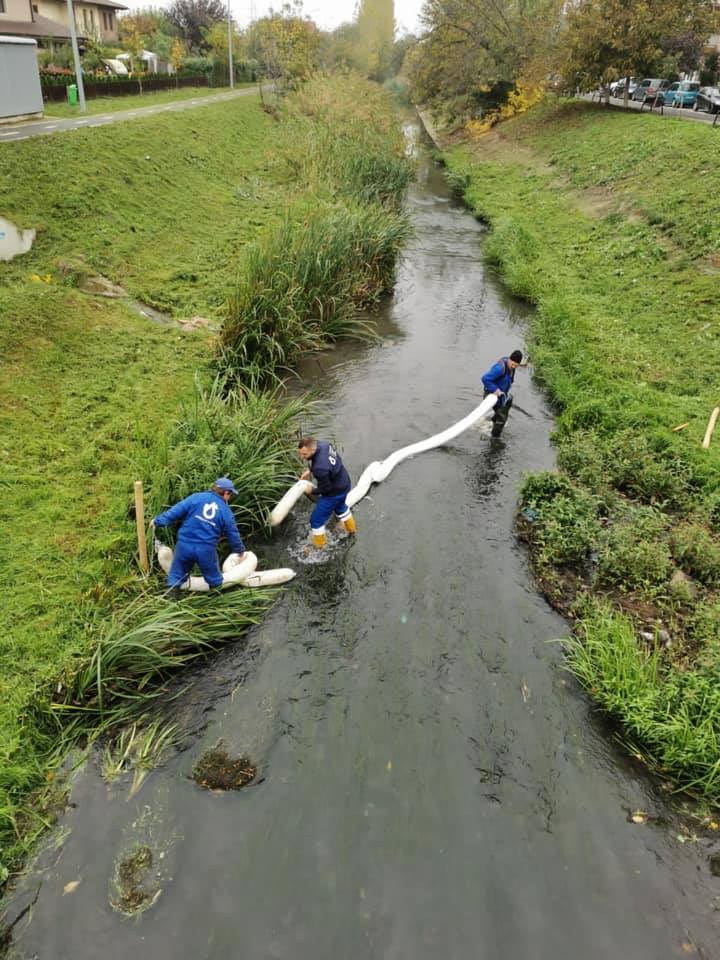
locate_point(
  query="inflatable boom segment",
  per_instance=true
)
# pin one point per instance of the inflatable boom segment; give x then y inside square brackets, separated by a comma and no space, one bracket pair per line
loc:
[283,508]
[380,470]
[235,569]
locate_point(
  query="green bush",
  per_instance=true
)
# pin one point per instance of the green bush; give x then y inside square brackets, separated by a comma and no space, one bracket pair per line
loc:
[565,525]
[697,552]
[634,554]
[703,629]
[636,469]
[583,457]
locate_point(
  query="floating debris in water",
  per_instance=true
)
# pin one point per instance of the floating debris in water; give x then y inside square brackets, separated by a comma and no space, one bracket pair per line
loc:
[136,887]
[216,770]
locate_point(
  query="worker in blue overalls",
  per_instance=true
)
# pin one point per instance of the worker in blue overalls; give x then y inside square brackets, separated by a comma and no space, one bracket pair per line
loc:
[499,380]
[331,483]
[204,518]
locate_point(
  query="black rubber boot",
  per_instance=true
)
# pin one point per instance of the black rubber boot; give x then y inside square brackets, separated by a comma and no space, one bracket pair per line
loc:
[500,418]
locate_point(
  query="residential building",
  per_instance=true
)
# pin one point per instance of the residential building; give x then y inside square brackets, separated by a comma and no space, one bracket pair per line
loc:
[18,19]
[47,20]
[93,18]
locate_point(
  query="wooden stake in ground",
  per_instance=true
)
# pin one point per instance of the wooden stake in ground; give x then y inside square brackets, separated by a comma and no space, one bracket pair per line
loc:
[140,524]
[710,427]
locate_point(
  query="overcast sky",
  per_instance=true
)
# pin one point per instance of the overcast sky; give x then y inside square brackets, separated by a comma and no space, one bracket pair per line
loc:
[326,13]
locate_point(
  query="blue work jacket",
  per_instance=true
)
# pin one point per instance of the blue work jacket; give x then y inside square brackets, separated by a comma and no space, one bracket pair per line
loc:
[326,466]
[499,377]
[203,518]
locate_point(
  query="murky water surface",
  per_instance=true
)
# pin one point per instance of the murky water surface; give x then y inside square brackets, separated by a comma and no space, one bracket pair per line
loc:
[14,241]
[431,784]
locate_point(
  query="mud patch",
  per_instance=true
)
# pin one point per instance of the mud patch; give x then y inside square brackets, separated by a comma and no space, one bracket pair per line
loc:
[217,770]
[135,883]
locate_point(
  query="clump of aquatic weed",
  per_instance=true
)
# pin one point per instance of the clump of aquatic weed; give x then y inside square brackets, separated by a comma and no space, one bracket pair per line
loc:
[135,886]
[217,770]
[139,747]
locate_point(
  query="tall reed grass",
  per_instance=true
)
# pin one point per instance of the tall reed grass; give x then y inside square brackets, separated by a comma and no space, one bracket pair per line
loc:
[303,285]
[336,249]
[241,432]
[671,715]
[140,648]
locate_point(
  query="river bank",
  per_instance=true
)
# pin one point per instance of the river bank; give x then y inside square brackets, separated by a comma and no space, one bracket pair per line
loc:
[625,538]
[99,391]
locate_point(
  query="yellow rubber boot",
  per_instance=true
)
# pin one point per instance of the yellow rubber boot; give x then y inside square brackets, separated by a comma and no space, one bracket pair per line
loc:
[319,540]
[349,524]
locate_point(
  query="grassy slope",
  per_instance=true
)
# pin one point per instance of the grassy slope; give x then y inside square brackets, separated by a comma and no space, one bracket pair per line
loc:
[85,384]
[162,204]
[611,224]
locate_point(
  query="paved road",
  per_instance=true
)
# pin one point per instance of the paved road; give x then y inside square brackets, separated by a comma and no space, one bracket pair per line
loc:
[39,128]
[685,113]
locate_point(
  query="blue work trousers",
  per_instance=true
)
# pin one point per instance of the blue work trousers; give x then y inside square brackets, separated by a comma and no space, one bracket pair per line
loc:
[187,555]
[326,506]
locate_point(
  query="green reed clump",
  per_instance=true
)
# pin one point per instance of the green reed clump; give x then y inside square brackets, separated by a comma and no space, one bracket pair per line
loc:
[673,715]
[226,430]
[361,165]
[140,648]
[303,286]
[335,251]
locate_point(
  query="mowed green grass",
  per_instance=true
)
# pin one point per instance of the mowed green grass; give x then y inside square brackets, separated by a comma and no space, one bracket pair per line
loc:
[610,223]
[89,390]
[153,98]
[162,204]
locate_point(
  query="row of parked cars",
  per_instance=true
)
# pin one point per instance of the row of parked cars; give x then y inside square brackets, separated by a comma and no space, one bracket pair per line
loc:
[656,91]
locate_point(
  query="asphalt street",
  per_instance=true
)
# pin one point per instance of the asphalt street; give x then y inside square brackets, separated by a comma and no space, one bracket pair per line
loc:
[684,113]
[39,128]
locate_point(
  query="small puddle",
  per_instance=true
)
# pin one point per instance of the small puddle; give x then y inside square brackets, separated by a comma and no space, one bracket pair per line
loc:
[13,241]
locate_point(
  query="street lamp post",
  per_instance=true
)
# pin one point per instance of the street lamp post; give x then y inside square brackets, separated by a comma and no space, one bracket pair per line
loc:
[76,56]
[230,39]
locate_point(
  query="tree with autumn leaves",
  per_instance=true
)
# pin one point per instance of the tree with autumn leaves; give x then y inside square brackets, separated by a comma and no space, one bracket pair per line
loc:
[607,39]
[375,36]
[286,44]
[474,53]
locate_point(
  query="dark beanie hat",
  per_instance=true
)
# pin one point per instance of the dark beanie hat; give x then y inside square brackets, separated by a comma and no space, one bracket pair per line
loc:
[516,355]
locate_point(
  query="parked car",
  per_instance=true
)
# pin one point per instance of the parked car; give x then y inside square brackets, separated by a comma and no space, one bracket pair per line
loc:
[648,89]
[682,93]
[708,98]
[617,89]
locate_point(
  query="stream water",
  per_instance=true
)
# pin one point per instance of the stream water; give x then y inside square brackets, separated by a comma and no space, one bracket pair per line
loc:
[432,784]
